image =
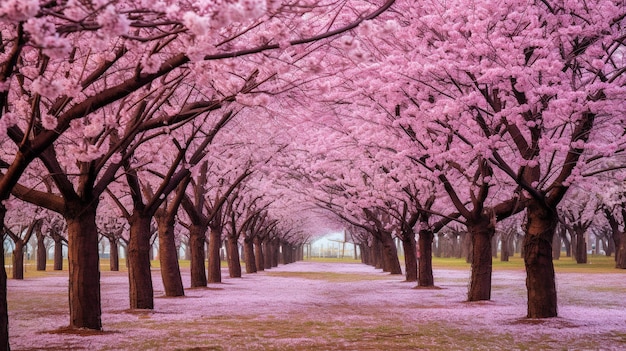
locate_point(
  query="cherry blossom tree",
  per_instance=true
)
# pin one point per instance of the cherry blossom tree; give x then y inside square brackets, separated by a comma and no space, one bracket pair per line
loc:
[121,34]
[542,108]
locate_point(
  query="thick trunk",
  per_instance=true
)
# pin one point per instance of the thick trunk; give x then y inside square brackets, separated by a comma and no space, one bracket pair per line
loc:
[410,256]
[505,248]
[18,261]
[268,252]
[540,278]
[84,266]
[365,257]
[114,257]
[425,269]
[4,310]
[42,253]
[580,246]
[214,271]
[376,252]
[259,254]
[620,251]
[168,258]
[390,254]
[568,245]
[248,247]
[58,254]
[139,276]
[197,238]
[481,232]
[234,266]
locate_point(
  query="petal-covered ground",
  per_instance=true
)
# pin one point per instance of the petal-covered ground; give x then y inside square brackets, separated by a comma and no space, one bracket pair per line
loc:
[326,306]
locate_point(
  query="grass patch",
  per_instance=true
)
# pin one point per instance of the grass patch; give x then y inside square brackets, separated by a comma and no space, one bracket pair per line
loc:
[596,264]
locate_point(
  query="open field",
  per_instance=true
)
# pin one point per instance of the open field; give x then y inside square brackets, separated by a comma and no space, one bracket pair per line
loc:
[324,305]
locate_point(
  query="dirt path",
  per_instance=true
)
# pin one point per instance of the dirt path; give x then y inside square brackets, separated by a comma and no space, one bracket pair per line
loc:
[326,306]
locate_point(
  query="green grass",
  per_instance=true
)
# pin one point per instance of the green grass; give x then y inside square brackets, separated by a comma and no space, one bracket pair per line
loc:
[595,264]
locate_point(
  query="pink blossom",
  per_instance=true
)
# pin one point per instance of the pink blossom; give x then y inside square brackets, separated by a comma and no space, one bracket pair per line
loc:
[18,10]
[48,121]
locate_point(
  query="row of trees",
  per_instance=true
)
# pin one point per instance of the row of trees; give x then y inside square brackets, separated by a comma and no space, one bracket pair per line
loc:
[122,101]
[394,118]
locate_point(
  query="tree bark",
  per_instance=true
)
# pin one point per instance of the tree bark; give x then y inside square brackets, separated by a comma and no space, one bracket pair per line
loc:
[481,232]
[18,261]
[58,254]
[168,258]
[425,272]
[268,253]
[214,268]
[197,239]
[505,251]
[139,275]
[249,257]
[390,254]
[259,254]
[540,277]
[42,253]
[234,266]
[114,256]
[410,256]
[84,265]
[580,245]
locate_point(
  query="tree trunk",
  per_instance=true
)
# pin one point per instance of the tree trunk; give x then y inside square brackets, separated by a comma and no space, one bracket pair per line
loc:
[620,251]
[425,269]
[390,254]
[234,266]
[410,256]
[481,232]
[268,253]
[58,254]
[505,247]
[214,272]
[568,245]
[84,266]
[139,275]
[540,278]
[4,310]
[580,247]
[249,257]
[376,253]
[42,253]
[197,238]
[18,261]
[168,258]
[114,256]
[259,255]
